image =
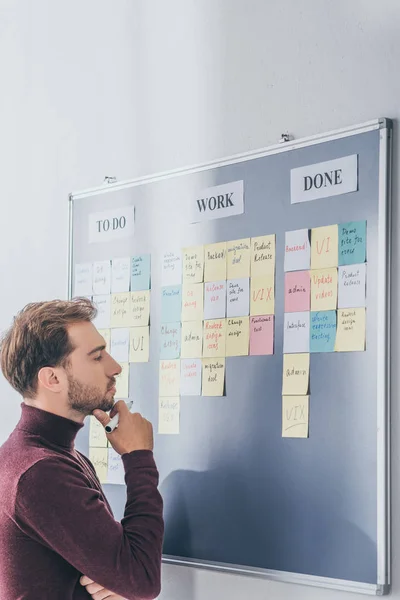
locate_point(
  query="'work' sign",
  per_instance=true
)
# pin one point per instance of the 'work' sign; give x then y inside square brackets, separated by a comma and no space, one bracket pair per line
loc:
[219,201]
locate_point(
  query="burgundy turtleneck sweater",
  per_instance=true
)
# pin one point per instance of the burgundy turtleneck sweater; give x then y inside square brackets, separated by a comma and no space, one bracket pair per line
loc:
[56,524]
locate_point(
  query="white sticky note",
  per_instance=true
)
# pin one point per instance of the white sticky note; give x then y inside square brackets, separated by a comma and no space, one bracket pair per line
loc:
[171,268]
[116,471]
[120,274]
[190,377]
[296,333]
[214,300]
[238,297]
[103,305]
[120,344]
[102,277]
[352,289]
[83,284]
[297,250]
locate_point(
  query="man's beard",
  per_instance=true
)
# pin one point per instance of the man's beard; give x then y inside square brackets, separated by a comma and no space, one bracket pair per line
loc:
[86,398]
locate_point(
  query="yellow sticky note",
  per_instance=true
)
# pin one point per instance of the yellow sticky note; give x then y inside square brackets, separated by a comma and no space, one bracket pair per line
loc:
[192,301]
[99,459]
[238,255]
[296,374]
[120,309]
[324,247]
[97,434]
[215,262]
[192,339]
[140,308]
[193,264]
[123,382]
[295,416]
[139,344]
[350,336]
[214,338]
[263,256]
[237,336]
[262,295]
[324,289]
[168,415]
[213,377]
[169,377]
[106,333]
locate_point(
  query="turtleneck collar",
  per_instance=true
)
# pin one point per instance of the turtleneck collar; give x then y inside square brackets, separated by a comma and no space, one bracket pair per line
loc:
[55,429]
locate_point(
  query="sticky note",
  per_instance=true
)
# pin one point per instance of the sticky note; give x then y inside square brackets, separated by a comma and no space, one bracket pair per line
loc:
[295,416]
[238,253]
[168,415]
[171,268]
[119,345]
[97,434]
[352,242]
[106,334]
[102,277]
[116,471]
[237,336]
[103,305]
[192,302]
[262,335]
[191,377]
[297,250]
[99,459]
[324,247]
[213,378]
[350,336]
[140,272]
[297,291]
[296,374]
[214,338]
[83,284]
[323,331]
[193,264]
[215,300]
[262,298]
[120,309]
[296,332]
[171,303]
[120,274]
[123,382]
[263,256]
[170,340]
[140,308]
[215,262]
[139,348]
[324,289]
[169,377]
[352,286]
[238,297]
[192,339]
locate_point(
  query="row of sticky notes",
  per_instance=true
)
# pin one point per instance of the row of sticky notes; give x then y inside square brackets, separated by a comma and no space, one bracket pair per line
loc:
[128,344]
[331,246]
[192,377]
[113,276]
[125,309]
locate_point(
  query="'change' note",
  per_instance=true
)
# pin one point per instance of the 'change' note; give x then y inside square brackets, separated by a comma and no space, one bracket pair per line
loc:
[237,336]
[120,309]
[170,340]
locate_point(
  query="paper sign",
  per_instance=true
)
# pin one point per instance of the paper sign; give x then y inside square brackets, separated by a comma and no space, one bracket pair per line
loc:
[350,336]
[111,224]
[296,374]
[139,344]
[238,297]
[123,382]
[191,377]
[352,242]
[262,299]
[171,268]
[218,201]
[192,339]
[168,415]
[192,302]
[238,254]
[120,309]
[169,377]
[297,250]
[214,338]
[193,264]
[215,300]
[262,335]
[263,255]
[324,287]
[140,273]
[171,303]
[213,378]
[323,331]
[297,291]
[97,434]
[106,334]
[140,308]
[351,293]
[103,305]
[120,274]
[102,277]
[83,285]
[295,411]
[170,340]
[296,332]
[237,336]
[120,344]
[324,247]
[215,262]
[116,471]
[99,459]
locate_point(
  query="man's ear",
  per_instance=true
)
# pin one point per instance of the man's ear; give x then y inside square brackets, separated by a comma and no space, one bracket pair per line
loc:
[49,379]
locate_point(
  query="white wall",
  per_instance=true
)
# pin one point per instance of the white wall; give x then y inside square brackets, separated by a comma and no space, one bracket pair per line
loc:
[129,87]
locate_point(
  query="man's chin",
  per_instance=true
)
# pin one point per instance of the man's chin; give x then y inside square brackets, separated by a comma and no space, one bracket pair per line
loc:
[106,405]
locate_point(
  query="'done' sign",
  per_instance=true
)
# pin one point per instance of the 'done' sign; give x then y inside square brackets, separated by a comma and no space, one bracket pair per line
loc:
[111,224]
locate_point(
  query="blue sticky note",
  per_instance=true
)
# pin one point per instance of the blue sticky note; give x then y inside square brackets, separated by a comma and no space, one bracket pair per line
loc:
[170,340]
[140,273]
[171,303]
[323,331]
[352,242]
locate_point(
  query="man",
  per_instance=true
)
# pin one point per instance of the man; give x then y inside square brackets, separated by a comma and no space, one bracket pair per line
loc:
[58,537]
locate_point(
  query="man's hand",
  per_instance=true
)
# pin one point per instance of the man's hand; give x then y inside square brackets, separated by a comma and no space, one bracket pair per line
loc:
[97,591]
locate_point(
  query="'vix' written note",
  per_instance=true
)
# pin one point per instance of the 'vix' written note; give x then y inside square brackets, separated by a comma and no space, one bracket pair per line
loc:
[295,411]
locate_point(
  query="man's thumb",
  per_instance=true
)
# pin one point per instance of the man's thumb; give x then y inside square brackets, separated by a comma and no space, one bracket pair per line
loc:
[101,416]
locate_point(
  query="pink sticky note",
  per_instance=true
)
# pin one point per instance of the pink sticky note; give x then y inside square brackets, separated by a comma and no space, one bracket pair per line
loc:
[261,335]
[297,291]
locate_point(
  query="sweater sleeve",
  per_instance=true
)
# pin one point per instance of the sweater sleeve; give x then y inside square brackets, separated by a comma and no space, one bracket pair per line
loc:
[55,505]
